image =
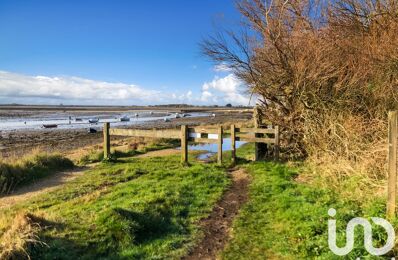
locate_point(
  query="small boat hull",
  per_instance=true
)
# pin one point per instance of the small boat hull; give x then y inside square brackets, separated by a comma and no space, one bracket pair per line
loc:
[50,126]
[93,121]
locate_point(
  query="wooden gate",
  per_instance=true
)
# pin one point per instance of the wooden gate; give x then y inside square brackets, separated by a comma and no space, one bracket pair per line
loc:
[199,134]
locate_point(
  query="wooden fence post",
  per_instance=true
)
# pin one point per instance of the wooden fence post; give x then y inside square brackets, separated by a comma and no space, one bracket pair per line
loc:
[219,154]
[233,145]
[107,141]
[276,145]
[184,144]
[392,164]
[260,149]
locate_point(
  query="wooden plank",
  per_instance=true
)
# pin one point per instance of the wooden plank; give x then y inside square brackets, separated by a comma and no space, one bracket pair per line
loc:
[392,164]
[107,141]
[256,139]
[184,144]
[276,146]
[155,133]
[204,130]
[256,130]
[203,140]
[219,153]
[233,145]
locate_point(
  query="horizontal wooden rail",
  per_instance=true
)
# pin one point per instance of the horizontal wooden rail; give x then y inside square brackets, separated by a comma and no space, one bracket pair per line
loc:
[202,140]
[155,133]
[256,130]
[252,139]
[203,130]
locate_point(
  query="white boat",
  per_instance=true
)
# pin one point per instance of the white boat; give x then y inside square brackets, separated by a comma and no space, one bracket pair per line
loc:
[167,119]
[177,115]
[93,120]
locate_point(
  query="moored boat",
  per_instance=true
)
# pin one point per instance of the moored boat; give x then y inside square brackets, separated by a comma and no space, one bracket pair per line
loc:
[93,120]
[124,119]
[50,125]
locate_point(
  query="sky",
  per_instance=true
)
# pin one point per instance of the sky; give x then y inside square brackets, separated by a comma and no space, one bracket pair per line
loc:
[114,52]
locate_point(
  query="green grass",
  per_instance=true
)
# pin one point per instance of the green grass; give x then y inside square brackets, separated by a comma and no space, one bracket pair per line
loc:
[24,171]
[287,219]
[149,208]
[145,208]
[97,156]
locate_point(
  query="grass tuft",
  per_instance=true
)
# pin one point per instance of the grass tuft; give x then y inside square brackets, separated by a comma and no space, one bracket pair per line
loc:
[23,171]
[19,237]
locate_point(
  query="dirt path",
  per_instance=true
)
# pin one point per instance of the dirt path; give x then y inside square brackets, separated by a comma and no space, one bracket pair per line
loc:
[41,186]
[218,225]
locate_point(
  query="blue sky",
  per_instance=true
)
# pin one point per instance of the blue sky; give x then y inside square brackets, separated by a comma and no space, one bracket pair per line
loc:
[147,51]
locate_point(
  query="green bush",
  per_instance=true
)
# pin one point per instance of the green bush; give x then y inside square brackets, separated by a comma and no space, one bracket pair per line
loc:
[26,170]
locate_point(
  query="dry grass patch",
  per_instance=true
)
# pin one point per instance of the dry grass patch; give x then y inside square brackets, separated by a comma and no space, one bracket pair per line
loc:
[22,234]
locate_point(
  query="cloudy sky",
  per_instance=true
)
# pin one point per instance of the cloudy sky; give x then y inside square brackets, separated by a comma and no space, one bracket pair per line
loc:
[113,52]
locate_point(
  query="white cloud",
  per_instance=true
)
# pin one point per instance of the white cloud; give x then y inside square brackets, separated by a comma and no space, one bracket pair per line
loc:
[13,85]
[205,96]
[222,68]
[184,98]
[24,89]
[228,89]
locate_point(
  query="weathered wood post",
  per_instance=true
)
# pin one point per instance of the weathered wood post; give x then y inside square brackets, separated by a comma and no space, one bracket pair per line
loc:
[107,141]
[392,164]
[233,145]
[261,149]
[219,154]
[184,144]
[276,145]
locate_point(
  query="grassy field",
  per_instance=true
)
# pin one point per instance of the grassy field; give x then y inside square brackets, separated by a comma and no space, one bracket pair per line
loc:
[149,208]
[286,218]
[135,208]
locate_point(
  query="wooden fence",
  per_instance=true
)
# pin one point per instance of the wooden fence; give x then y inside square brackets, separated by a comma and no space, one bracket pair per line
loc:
[200,134]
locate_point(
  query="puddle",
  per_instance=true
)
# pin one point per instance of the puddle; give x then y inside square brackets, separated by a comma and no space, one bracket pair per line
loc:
[213,148]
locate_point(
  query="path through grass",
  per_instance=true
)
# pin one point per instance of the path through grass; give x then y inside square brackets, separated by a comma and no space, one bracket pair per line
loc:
[144,208]
[287,219]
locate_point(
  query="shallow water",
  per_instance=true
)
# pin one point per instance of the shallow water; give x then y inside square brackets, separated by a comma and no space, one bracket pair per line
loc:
[213,148]
[63,121]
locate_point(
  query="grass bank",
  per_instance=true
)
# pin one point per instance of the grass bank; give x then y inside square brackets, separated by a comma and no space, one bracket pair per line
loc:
[15,173]
[145,208]
[287,217]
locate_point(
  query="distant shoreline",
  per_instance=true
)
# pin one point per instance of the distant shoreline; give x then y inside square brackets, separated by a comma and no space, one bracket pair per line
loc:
[122,108]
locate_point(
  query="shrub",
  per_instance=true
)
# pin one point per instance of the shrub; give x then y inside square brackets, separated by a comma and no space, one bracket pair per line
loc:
[325,71]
